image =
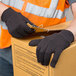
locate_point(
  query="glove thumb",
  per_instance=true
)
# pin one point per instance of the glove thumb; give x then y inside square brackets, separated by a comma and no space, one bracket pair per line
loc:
[34,42]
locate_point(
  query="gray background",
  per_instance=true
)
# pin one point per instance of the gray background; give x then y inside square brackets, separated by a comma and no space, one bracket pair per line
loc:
[69,15]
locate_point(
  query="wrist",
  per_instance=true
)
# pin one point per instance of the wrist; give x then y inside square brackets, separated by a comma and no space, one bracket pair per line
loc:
[7,14]
[2,9]
[67,35]
[73,31]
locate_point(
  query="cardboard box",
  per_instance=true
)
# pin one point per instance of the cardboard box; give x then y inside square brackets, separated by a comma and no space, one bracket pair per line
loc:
[25,61]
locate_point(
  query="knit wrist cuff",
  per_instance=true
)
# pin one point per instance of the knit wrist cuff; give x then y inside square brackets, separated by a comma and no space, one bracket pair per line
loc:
[6,14]
[68,35]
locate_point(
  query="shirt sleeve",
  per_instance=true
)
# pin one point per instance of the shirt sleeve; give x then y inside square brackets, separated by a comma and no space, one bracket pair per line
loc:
[71,1]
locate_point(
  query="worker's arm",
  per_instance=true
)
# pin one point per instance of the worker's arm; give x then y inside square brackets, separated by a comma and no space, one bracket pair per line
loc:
[55,43]
[2,9]
[72,27]
[15,21]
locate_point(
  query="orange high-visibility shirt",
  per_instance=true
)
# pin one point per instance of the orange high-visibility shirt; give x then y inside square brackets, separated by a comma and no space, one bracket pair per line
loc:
[39,12]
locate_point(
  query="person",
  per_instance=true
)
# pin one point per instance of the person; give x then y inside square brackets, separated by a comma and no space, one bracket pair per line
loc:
[15,14]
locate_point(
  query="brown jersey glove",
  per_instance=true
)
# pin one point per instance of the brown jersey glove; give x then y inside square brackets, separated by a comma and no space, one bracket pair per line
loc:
[16,23]
[54,43]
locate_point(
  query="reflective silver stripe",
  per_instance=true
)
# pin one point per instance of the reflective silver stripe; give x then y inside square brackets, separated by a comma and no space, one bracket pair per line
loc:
[52,8]
[44,12]
[60,14]
[55,15]
[14,3]
[5,1]
[19,4]
[3,25]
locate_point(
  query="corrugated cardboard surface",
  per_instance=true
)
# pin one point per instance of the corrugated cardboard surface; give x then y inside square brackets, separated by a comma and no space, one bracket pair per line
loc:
[25,61]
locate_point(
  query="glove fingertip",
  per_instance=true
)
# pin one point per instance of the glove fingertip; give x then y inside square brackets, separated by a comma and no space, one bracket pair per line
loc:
[31,43]
[34,42]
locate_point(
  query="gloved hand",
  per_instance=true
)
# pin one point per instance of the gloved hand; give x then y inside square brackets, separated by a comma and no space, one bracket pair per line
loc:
[54,43]
[16,23]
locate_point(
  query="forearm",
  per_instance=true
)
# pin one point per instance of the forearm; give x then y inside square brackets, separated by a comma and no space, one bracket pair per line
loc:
[2,9]
[72,28]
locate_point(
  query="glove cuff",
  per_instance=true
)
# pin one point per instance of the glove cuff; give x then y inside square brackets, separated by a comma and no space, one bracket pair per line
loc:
[7,13]
[68,35]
